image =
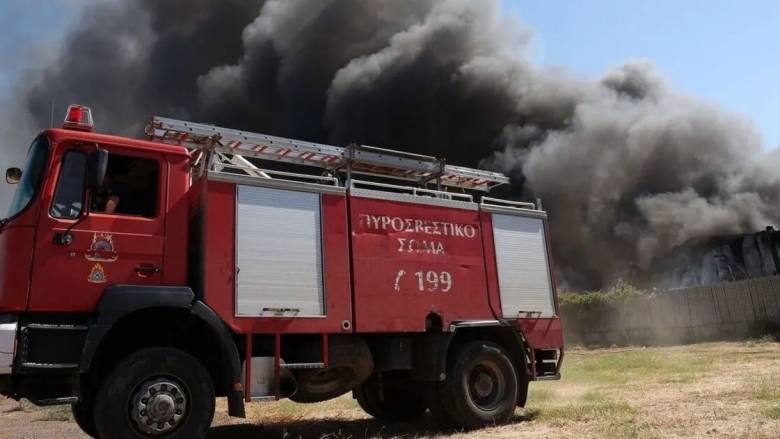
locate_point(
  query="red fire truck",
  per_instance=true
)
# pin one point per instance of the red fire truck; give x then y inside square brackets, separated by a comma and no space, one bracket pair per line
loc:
[140,279]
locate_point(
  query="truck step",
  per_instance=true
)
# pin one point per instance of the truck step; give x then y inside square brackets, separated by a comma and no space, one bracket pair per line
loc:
[552,377]
[59,401]
[303,365]
[50,365]
[547,363]
[56,327]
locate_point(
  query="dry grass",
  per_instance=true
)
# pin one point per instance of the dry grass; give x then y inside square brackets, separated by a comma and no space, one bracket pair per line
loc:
[704,390]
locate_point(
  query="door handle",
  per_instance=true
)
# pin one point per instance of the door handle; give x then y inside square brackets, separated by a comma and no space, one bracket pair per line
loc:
[281,310]
[146,269]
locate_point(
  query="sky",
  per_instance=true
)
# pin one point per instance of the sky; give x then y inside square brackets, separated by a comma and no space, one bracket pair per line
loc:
[30,31]
[724,51]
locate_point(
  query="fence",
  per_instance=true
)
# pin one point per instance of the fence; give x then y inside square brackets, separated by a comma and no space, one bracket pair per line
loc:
[726,311]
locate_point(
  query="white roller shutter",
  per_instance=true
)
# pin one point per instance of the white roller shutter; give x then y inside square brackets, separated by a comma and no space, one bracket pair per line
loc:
[521,258]
[278,253]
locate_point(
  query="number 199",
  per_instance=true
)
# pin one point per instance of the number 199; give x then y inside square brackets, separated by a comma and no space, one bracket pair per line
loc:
[433,281]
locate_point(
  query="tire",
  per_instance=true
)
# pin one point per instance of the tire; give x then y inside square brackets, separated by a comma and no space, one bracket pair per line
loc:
[522,386]
[350,364]
[481,386]
[84,415]
[159,392]
[389,403]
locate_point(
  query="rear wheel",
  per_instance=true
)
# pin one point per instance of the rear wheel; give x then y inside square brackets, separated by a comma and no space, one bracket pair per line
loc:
[481,386]
[397,402]
[156,392]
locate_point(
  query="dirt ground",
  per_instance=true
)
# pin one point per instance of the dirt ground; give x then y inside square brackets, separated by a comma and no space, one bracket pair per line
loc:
[704,390]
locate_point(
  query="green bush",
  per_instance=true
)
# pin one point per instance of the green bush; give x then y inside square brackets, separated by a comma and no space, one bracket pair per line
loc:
[616,295]
[581,312]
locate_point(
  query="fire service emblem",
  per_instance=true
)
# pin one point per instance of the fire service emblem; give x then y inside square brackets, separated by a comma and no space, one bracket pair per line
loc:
[102,248]
[97,275]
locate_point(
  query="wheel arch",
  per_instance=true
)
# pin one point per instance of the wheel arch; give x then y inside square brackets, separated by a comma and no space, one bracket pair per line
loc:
[129,318]
[503,334]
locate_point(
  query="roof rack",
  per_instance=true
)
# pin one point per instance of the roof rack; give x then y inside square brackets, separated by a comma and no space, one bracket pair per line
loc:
[233,146]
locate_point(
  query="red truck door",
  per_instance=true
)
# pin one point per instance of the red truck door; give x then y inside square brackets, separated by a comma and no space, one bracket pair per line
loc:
[123,246]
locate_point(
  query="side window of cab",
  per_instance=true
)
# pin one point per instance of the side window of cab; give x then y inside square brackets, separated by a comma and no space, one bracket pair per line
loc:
[69,194]
[131,187]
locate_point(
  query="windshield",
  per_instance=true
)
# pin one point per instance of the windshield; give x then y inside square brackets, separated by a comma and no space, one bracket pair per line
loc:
[31,175]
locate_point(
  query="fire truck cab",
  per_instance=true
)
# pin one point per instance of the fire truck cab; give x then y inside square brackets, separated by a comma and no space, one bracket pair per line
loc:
[140,279]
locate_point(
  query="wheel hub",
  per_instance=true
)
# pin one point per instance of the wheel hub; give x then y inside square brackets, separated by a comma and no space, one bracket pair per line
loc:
[158,406]
[483,384]
[161,407]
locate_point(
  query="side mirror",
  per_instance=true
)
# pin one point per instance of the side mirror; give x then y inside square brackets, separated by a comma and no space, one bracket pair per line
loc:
[97,165]
[13,175]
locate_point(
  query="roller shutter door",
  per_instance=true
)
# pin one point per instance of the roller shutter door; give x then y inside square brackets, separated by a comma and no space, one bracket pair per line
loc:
[278,253]
[521,259]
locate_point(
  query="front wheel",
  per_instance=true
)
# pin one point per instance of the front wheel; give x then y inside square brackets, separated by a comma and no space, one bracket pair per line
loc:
[84,415]
[156,392]
[481,386]
[397,402]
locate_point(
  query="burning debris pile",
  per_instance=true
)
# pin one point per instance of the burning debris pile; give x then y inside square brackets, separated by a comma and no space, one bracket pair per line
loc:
[720,259]
[628,167]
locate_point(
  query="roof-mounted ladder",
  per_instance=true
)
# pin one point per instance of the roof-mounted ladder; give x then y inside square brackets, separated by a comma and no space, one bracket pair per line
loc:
[234,146]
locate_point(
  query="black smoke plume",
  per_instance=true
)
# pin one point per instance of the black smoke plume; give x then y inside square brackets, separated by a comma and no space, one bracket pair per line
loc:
[627,166]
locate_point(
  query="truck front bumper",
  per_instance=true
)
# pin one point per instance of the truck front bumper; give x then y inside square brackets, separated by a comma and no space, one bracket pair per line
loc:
[7,345]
